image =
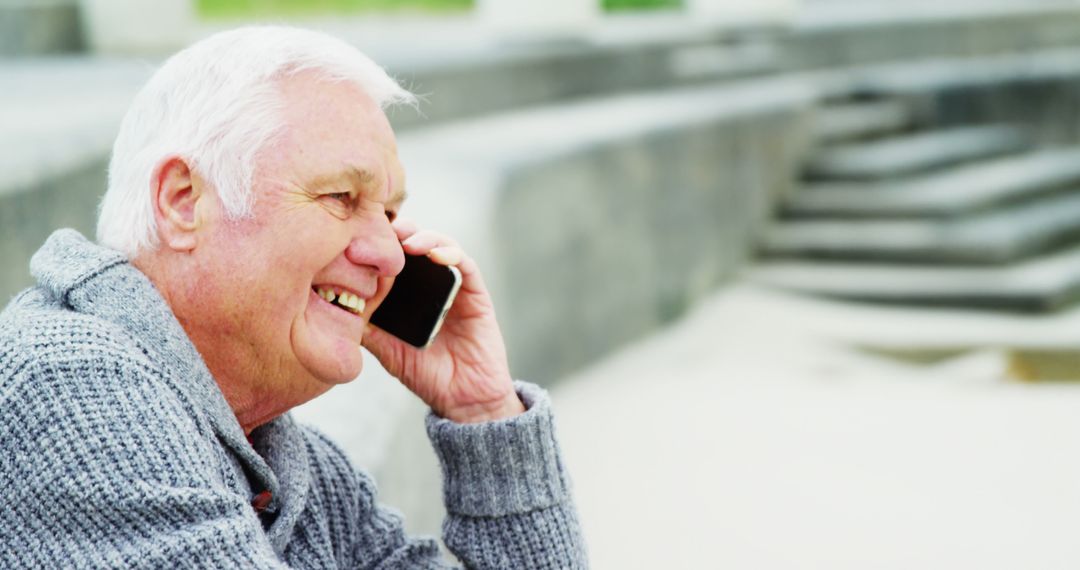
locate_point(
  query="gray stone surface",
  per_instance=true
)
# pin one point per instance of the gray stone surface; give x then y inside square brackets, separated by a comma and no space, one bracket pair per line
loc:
[849,121]
[1047,282]
[28,217]
[899,155]
[35,27]
[950,192]
[59,118]
[995,236]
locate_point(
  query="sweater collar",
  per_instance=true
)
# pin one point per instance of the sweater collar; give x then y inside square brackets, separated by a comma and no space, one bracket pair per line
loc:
[99,281]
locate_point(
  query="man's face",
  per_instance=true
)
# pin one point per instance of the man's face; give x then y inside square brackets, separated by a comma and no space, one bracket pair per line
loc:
[325,194]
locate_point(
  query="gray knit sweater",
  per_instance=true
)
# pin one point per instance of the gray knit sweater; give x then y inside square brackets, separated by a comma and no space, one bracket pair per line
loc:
[118,450]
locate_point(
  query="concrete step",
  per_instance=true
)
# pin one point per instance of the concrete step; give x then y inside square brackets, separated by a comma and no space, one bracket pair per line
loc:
[859,120]
[952,192]
[995,236]
[905,154]
[1045,283]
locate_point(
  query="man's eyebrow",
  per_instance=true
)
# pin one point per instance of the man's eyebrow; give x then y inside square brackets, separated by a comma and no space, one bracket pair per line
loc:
[398,198]
[356,177]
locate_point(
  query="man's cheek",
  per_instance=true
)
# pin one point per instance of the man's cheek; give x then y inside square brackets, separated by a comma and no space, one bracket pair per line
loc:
[385,283]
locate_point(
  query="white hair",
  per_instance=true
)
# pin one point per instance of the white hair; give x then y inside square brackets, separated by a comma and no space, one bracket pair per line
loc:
[216,104]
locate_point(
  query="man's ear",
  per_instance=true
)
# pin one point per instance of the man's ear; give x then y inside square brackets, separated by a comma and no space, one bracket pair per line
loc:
[176,194]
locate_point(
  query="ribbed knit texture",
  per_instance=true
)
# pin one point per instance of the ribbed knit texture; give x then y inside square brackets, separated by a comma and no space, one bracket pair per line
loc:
[117,450]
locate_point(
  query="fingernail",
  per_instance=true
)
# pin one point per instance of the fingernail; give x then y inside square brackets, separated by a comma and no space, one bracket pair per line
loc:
[442,255]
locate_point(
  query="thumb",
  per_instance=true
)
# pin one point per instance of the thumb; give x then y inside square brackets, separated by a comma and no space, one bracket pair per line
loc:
[388,349]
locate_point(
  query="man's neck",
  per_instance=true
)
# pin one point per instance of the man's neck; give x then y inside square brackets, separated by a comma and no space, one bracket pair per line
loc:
[258,391]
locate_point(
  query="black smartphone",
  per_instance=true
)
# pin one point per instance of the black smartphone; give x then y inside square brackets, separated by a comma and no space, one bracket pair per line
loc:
[418,301]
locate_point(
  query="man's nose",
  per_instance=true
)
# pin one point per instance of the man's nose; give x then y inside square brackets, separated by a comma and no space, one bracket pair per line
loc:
[375,245]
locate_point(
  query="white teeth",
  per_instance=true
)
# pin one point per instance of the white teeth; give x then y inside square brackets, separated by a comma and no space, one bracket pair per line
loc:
[356,304]
[344,299]
[327,294]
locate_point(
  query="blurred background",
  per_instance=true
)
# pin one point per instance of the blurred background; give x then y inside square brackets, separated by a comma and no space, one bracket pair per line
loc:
[801,275]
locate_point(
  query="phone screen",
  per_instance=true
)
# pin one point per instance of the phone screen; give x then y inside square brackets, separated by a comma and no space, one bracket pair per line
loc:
[418,301]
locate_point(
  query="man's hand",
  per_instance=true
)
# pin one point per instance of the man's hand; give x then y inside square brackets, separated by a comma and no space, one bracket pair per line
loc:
[463,375]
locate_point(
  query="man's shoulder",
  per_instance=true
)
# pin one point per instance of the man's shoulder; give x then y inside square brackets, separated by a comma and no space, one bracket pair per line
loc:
[58,365]
[93,434]
[73,382]
[37,330]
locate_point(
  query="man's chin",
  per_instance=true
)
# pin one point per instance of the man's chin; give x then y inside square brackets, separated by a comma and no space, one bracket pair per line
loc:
[347,369]
[337,364]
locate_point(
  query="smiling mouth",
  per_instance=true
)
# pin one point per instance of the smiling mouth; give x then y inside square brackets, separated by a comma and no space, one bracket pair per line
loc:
[341,299]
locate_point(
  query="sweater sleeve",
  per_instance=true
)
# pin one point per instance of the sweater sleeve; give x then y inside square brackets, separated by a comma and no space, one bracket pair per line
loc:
[99,470]
[506,491]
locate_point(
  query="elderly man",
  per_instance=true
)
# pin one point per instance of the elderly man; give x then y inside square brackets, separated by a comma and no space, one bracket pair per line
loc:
[145,381]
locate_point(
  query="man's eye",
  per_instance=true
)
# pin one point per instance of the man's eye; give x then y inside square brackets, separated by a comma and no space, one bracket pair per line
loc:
[339,204]
[342,196]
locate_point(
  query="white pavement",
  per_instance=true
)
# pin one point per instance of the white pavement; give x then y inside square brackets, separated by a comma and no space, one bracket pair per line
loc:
[742,437]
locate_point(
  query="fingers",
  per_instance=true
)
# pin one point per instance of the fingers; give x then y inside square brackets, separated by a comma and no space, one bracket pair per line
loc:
[447,255]
[404,228]
[424,241]
[440,249]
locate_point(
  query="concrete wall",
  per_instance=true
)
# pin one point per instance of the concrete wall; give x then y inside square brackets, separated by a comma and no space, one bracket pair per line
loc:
[511,78]
[28,216]
[39,27]
[598,249]
[1050,108]
[58,119]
